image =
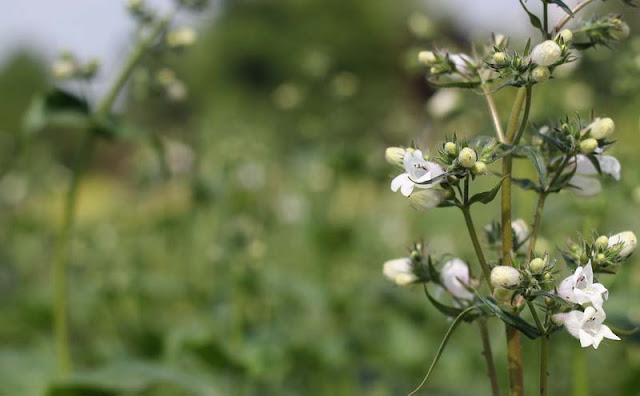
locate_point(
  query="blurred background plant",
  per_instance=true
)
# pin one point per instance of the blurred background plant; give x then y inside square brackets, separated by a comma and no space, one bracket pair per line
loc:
[229,239]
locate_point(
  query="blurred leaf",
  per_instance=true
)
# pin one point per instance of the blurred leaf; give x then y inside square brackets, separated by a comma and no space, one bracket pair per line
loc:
[562,5]
[533,19]
[445,309]
[456,84]
[536,158]
[511,319]
[487,196]
[57,108]
[527,184]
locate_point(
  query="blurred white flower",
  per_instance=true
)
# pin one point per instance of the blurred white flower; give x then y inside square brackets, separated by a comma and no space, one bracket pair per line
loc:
[417,170]
[251,176]
[291,208]
[580,289]
[177,91]
[454,276]
[426,199]
[546,53]
[587,326]
[584,183]
[461,61]
[520,230]
[443,103]
[64,68]
[629,241]
[181,37]
[400,271]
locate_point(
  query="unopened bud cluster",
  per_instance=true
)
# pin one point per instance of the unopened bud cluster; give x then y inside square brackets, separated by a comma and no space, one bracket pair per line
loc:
[606,253]
[67,67]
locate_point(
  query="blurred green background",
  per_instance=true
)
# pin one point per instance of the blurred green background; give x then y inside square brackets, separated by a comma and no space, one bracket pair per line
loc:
[251,265]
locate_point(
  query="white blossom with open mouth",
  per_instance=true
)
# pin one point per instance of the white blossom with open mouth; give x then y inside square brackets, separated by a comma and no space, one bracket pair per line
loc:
[580,289]
[417,170]
[454,277]
[587,326]
[584,183]
[400,271]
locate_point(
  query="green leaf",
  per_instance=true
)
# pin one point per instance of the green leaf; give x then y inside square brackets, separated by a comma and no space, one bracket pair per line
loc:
[538,162]
[554,297]
[562,5]
[445,309]
[533,19]
[511,319]
[487,196]
[443,344]
[527,184]
[456,84]
[57,108]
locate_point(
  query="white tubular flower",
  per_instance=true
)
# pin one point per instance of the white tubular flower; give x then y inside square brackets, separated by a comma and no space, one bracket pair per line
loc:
[400,271]
[417,170]
[580,289]
[426,199]
[546,53]
[587,326]
[395,155]
[461,61]
[629,241]
[454,275]
[520,230]
[601,128]
[584,183]
[505,276]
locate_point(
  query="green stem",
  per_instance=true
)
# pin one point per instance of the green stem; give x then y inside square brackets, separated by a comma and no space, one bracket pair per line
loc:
[536,225]
[544,363]
[488,356]
[486,271]
[580,377]
[138,51]
[514,353]
[545,18]
[61,260]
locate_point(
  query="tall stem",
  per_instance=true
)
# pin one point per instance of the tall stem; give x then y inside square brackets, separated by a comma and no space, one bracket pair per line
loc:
[494,112]
[545,18]
[486,272]
[514,354]
[61,260]
[544,362]
[536,225]
[62,253]
[488,356]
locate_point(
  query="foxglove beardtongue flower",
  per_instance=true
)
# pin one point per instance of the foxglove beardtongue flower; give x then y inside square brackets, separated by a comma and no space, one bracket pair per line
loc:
[600,128]
[587,326]
[580,289]
[454,276]
[627,239]
[417,171]
[400,271]
[546,53]
[583,182]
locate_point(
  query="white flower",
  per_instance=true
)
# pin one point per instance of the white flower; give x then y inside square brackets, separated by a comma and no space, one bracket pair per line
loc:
[504,276]
[580,289]
[583,182]
[601,128]
[181,37]
[427,199]
[520,230]
[587,326]
[629,241]
[454,275]
[443,103]
[546,53]
[400,271]
[417,170]
[461,61]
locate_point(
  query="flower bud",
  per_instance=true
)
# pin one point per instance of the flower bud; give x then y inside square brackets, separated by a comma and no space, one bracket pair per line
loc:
[588,146]
[629,241]
[182,37]
[405,279]
[479,168]
[566,35]
[64,68]
[426,199]
[500,40]
[520,230]
[427,58]
[395,156]
[503,295]
[451,148]
[505,276]
[537,265]
[601,128]
[135,5]
[602,242]
[541,73]
[621,32]
[546,53]
[467,157]
[400,271]
[500,58]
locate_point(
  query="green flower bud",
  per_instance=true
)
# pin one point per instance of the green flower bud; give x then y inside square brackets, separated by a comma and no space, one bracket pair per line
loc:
[629,241]
[500,58]
[588,146]
[451,148]
[621,32]
[601,128]
[602,242]
[566,35]
[427,58]
[541,73]
[537,265]
[479,168]
[467,157]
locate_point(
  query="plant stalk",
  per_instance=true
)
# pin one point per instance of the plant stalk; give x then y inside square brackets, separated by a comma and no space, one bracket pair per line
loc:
[568,17]
[488,356]
[536,225]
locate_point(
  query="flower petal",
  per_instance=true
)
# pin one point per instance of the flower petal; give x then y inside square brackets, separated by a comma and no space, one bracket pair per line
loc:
[610,165]
[399,181]
[407,188]
[585,186]
[607,333]
[585,339]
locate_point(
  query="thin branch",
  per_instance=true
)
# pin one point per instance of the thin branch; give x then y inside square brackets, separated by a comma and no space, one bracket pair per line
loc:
[568,17]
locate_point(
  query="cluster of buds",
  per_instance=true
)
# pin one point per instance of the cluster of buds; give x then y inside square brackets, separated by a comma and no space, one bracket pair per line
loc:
[572,137]
[538,275]
[67,67]
[443,63]
[605,253]
[408,270]
[602,31]
[461,158]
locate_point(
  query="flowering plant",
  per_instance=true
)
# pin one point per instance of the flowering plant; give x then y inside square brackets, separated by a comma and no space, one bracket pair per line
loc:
[567,156]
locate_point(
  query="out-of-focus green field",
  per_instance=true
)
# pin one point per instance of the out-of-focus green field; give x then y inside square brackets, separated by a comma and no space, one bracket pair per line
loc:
[254,268]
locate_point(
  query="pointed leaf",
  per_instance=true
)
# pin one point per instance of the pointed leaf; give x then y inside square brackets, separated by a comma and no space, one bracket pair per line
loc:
[527,184]
[487,196]
[536,158]
[562,5]
[511,319]
[445,309]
